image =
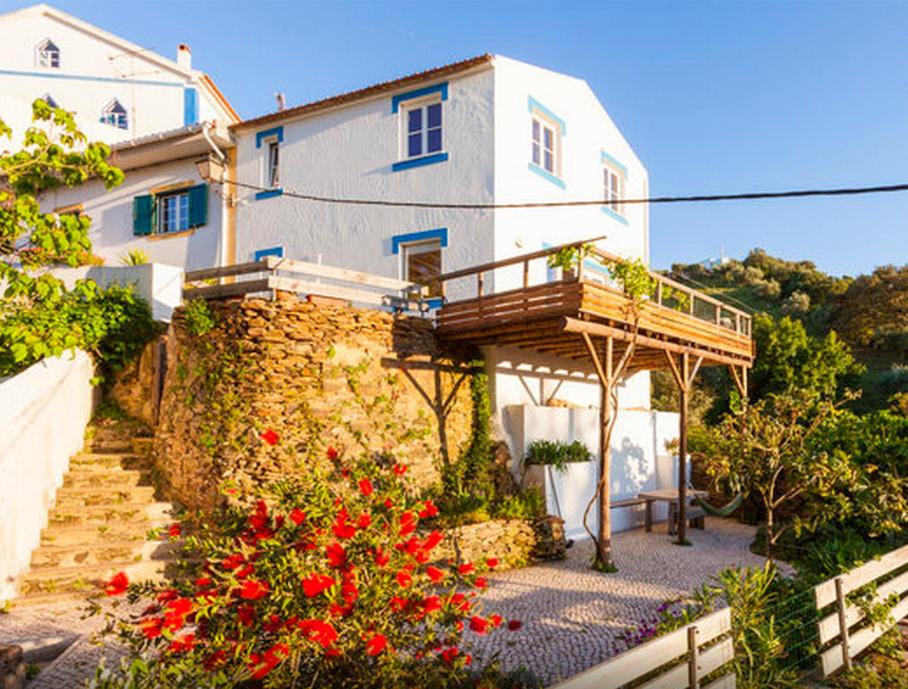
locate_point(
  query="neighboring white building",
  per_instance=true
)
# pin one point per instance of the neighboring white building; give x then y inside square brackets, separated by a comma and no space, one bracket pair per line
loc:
[117,89]
[489,130]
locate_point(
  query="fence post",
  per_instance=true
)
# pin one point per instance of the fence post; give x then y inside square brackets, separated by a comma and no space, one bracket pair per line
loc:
[693,679]
[843,624]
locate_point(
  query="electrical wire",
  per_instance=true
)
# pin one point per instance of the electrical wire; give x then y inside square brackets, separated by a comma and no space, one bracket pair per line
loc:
[698,198]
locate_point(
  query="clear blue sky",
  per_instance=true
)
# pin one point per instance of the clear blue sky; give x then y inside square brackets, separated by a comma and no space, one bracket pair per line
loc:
[715,97]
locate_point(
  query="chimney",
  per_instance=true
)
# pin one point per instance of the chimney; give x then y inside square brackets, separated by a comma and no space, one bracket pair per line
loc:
[184,56]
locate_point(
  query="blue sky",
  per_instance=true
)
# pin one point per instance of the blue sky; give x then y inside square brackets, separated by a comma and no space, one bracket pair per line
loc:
[714,97]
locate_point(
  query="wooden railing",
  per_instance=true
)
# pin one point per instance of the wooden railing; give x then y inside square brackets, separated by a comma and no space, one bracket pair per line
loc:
[668,294]
[678,660]
[846,625]
[273,274]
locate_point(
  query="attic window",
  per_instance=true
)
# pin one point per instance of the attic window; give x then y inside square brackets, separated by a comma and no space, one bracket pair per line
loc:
[115,115]
[47,54]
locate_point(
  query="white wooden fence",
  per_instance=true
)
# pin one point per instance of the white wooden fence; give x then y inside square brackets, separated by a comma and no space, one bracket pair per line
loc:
[679,660]
[273,274]
[846,624]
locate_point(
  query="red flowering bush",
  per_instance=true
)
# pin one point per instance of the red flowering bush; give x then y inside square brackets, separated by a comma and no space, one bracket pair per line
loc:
[327,581]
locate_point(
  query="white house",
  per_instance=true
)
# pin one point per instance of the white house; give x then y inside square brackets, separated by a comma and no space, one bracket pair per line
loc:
[118,90]
[488,130]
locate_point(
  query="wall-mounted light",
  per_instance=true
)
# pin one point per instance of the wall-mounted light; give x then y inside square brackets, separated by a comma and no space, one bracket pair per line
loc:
[210,169]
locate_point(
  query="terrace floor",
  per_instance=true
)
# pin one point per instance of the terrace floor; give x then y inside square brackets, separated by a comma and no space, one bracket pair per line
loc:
[574,617]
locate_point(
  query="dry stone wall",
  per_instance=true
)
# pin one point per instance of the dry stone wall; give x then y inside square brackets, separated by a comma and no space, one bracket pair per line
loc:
[362,381]
[513,542]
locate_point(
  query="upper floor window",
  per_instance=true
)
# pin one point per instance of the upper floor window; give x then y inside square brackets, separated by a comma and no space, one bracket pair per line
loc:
[173,212]
[115,115]
[47,54]
[423,129]
[273,170]
[546,136]
[614,180]
[170,210]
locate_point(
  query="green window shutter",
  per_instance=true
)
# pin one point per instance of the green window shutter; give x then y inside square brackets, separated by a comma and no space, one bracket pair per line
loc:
[142,215]
[198,205]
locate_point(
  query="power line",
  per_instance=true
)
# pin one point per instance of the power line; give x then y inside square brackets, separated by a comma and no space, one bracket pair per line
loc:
[699,198]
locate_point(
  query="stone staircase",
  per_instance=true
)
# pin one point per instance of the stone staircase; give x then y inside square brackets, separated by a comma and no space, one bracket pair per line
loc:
[101,520]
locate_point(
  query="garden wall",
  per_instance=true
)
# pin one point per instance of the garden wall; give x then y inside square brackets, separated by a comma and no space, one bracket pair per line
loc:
[319,376]
[513,542]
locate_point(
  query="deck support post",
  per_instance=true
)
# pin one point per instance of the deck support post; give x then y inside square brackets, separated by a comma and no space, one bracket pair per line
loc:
[684,378]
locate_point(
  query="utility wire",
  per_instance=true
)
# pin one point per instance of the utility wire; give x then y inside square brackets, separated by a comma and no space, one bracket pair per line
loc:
[699,198]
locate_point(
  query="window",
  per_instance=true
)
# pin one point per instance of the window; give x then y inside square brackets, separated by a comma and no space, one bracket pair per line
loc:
[273,171]
[115,115]
[173,212]
[423,129]
[47,54]
[422,264]
[544,153]
[547,132]
[613,189]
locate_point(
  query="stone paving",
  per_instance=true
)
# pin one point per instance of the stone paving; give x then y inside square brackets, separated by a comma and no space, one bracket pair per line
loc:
[572,616]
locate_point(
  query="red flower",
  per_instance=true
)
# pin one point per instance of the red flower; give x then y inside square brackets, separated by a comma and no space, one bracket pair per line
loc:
[400,469]
[245,571]
[479,625]
[430,510]
[233,561]
[431,604]
[449,654]
[496,620]
[341,528]
[297,516]
[246,615]
[270,436]
[336,555]
[381,558]
[432,540]
[480,583]
[186,642]
[465,568]
[492,562]
[318,631]
[404,579]
[117,585]
[407,523]
[365,521]
[332,453]
[514,625]
[365,487]
[151,627]
[202,582]
[253,589]
[435,574]
[270,659]
[174,530]
[316,583]
[376,644]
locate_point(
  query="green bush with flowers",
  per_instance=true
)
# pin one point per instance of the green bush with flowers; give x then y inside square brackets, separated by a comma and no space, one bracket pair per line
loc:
[324,581]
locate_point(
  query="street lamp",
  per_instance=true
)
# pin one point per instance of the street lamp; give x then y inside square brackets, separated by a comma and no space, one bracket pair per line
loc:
[210,169]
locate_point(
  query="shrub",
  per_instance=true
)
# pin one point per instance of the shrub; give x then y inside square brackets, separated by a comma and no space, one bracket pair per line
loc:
[556,453]
[198,316]
[328,581]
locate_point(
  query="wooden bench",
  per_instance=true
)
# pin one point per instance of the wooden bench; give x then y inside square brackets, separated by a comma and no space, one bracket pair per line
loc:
[696,517]
[629,502]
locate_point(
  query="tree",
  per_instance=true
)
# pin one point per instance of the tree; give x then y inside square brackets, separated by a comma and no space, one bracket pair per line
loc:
[769,449]
[874,306]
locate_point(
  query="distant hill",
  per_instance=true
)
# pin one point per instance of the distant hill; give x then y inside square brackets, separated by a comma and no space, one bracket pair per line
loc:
[870,312]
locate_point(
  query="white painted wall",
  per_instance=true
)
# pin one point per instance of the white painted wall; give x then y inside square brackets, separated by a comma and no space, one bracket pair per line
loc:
[95,67]
[111,213]
[639,459]
[44,410]
[160,285]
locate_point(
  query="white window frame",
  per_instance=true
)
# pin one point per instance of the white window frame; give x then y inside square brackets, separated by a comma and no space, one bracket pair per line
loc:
[271,164]
[541,124]
[181,197]
[46,57]
[613,184]
[420,104]
[425,246]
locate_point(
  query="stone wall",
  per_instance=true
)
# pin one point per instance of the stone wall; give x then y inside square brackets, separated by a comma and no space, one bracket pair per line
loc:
[135,387]
[363,381]
[513,542]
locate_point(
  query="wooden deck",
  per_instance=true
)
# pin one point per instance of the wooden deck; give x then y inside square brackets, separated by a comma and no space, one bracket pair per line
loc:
[551,318]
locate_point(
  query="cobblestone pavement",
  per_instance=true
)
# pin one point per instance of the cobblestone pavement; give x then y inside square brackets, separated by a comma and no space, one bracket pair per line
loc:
[572,616]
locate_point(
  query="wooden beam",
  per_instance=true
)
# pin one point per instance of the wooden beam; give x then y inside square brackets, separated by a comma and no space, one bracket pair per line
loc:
[226,271]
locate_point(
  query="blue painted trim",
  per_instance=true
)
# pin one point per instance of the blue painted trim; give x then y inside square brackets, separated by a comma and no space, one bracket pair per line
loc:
[614,215]
[274,131]
[271,193]
[419,93]
[595,266]
[435,302]
[190,106]
[397,240]
[277,251]
[545,174]
[606,158]
[533,104]
[85,77]
[419,162]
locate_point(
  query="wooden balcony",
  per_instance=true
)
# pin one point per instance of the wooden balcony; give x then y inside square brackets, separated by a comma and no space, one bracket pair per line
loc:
[552,317]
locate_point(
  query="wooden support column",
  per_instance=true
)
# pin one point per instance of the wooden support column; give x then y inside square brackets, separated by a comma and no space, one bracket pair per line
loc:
[684,378]
[605,368]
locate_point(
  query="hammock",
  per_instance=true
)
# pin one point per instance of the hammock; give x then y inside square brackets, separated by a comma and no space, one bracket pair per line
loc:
[725,511]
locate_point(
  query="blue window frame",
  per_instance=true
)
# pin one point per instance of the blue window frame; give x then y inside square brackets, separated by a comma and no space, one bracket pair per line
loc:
[277,251]
[546,133]
[421,115]
[115,115]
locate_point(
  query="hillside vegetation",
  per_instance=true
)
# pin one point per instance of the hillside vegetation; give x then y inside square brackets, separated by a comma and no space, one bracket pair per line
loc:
[866,315]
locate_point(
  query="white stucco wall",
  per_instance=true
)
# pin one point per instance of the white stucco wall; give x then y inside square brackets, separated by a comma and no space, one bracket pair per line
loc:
[44,411]
[349,152]
[639,459]
[111,213]
[93,71]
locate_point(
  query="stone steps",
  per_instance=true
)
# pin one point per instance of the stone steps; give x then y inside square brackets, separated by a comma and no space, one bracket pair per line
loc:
[101,461]
[105,514]
[85,579]
[64,556]
[114,478]
[91,497]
